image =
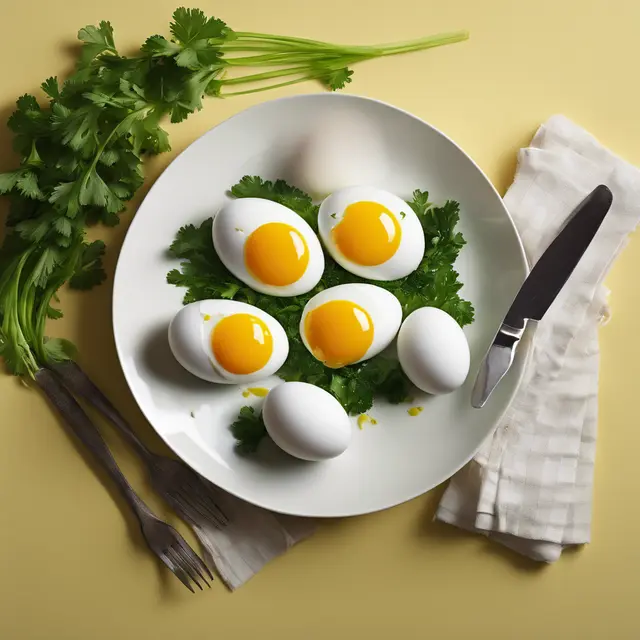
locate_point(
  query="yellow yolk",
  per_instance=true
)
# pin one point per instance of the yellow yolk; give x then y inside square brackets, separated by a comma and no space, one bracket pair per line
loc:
[241,343]
[339,332]
[259,392]
[276,254]
[368,234]
[363,419]
[414,411]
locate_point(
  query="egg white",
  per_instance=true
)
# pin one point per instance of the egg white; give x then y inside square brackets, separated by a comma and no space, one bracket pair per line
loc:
[189,339]
[410,250]
[382,306]
[306,421]
[433,351]
[236,220]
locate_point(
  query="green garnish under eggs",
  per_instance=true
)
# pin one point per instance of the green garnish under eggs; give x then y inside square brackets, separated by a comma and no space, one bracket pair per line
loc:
[434,283]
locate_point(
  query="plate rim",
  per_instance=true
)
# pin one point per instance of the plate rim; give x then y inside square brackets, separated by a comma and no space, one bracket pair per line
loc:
[523,354]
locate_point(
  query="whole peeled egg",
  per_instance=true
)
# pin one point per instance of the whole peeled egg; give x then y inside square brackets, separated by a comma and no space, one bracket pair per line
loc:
[344,148]
[433,351]
[227,341]
[349,323]
[268,246]
[306,421]
[371,232]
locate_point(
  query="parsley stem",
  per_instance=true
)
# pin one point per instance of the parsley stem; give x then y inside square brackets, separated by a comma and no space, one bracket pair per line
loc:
[310,76]
[266,76]
[45,299]
[419,43]
[11,326]
[250,35]
[272,59]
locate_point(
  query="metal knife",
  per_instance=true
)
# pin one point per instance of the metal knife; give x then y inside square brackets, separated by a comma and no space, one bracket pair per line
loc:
[540,289]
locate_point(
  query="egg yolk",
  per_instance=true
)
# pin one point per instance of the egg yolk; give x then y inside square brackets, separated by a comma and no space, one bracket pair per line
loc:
[338,332]
[276,254]
[241,343]
[368,234]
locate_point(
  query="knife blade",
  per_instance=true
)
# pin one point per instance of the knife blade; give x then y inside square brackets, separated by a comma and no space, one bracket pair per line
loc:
[540,289]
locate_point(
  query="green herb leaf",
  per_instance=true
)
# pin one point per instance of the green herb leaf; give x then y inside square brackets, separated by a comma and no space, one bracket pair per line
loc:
[9,180]
[51,88]
[191,25]
[97,40]
[27,185]
[53,313]
[337,79]
[89,271]
[278,191]
[248,430]
[49,259]
[59,350]
[160,46]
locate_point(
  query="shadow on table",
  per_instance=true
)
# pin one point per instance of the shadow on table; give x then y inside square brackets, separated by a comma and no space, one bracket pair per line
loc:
[8,159]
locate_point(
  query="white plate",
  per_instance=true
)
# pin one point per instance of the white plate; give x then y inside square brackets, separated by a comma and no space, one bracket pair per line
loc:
[402,456]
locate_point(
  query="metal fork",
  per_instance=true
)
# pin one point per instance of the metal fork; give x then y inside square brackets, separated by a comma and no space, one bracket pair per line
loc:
[172,549]
[189,495]
[162,538]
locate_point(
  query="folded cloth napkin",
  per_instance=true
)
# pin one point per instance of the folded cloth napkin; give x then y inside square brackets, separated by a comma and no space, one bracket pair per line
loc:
[530,485]
[253,537]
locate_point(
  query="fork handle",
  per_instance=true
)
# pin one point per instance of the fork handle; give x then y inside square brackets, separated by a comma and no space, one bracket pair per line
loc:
[84,429]
[79,383]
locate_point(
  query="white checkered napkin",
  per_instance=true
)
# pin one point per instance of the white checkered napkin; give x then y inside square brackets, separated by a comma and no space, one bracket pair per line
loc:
[530,485]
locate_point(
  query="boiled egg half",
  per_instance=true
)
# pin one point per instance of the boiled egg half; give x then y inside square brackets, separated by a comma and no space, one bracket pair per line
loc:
[227,341]
[371,232]
[349,323]
[268,246]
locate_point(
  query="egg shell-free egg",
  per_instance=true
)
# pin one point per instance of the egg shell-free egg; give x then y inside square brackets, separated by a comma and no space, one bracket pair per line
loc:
[190,340]
[381,305]
[344,149]
[306,421]
[433,351]
[235,222]
[410,250]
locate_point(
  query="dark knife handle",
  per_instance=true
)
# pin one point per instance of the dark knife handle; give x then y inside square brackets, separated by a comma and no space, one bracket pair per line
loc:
[557,263]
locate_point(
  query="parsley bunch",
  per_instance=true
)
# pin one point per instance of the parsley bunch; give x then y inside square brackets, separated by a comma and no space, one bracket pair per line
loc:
[81,154]
[434,283]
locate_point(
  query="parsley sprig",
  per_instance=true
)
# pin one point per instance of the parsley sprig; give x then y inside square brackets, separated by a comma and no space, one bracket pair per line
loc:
[81,154]
[434,283]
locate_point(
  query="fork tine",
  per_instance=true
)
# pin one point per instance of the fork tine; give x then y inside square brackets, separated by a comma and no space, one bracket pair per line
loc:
[183,563]
[176,570]
[197,494]
[187,499]
[203,565]
[178,548]
[204,491]
[193,560]
[182,576]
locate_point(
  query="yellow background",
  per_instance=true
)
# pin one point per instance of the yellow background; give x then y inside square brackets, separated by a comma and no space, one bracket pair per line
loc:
[72,567]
